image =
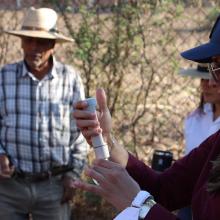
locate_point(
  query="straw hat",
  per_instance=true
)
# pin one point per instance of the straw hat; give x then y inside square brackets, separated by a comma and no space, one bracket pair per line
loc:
[40,23]
[200,72]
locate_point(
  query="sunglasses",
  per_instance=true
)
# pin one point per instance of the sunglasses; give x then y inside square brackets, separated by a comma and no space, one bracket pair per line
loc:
[214,70]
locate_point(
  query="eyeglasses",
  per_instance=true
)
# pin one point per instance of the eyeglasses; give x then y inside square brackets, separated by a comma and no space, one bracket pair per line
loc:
[214,70]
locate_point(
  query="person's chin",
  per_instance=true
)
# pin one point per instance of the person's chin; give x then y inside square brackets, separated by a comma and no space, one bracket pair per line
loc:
[34,64]
[208,99]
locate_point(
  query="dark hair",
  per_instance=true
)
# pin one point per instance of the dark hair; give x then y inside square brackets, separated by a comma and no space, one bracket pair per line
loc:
[201,104]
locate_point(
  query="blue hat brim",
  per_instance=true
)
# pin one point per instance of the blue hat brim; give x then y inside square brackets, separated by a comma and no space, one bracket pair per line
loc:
[194,73]
[202,53]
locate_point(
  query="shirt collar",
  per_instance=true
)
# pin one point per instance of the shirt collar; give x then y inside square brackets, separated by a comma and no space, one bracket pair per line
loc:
[51,74]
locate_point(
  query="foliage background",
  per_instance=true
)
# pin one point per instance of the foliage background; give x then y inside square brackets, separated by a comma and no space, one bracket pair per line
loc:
[132,50]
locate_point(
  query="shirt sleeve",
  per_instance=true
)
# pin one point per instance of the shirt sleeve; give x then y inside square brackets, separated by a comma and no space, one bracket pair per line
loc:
[78,156]
[79,145]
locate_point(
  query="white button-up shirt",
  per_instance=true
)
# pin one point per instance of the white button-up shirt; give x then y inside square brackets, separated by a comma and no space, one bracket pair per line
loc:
[37,129]
[198,126]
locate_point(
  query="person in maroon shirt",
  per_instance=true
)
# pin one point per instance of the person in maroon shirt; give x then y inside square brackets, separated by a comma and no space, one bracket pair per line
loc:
[193,180]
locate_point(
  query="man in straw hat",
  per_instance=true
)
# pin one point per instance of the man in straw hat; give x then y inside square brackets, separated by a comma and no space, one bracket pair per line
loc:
[193,180]
[41,149]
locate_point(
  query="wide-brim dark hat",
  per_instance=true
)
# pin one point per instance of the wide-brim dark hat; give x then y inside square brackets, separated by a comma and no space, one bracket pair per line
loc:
[204,52]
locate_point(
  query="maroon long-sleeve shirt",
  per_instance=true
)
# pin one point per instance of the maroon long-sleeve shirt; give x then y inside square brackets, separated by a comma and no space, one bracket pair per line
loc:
[184,183]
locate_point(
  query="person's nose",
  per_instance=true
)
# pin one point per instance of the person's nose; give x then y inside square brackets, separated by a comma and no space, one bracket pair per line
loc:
[33,45]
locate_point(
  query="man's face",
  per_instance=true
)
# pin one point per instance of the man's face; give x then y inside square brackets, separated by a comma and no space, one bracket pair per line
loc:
[37,51]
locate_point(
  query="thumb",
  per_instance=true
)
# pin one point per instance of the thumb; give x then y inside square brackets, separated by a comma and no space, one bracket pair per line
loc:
[101,99]
[4,163]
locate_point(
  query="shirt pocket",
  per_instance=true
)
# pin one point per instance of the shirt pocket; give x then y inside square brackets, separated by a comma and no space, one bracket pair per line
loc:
[54,122]
[60,116]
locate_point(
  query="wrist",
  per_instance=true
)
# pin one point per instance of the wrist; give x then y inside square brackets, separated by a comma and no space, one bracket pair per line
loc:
[146,207]
[144,201]
[140,198]
[139,208]
[117,152]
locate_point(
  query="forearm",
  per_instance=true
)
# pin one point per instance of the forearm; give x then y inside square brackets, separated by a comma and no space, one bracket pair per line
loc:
[118,153]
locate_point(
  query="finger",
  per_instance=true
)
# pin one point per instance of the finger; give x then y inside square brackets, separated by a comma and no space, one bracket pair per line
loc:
[87,123]
[5,167]
[109,170]
[101,99]
[80,114]
[110,176]
[94,174]
[80,105]
[7,173]
[106,163]
[88,187]
[91,131]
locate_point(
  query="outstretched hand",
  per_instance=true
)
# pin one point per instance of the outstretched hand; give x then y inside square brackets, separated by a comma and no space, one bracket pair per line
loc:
[115,184]
[6,170]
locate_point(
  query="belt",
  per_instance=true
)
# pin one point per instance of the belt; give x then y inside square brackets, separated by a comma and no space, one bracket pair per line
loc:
[37,177]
